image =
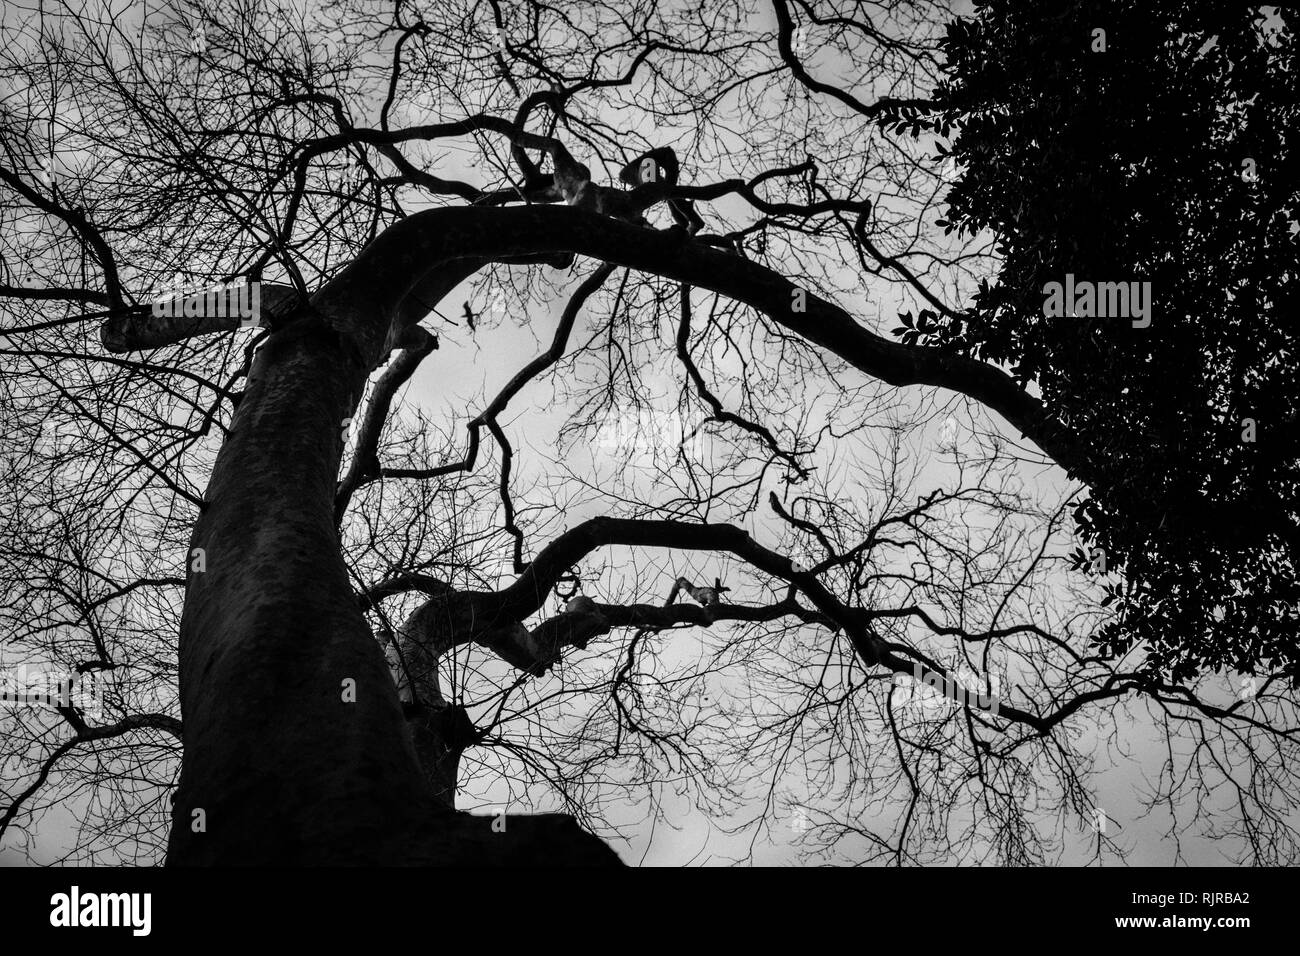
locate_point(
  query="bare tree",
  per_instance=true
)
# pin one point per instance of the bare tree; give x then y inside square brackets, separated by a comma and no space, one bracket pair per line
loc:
[719,563]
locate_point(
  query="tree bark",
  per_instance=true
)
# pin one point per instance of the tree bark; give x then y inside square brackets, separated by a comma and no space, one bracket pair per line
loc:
[297,751]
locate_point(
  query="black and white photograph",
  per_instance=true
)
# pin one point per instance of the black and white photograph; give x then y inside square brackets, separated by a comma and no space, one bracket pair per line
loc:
[467,435]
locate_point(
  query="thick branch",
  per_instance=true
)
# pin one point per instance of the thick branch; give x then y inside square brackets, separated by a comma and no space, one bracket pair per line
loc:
[141,329]
[526,595]
[418,252]
[393,264]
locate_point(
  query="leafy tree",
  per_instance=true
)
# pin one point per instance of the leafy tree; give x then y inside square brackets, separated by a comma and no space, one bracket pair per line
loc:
[1147,142]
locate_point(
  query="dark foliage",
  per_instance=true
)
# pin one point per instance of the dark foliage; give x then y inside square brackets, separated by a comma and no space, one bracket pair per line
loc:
[1169,157]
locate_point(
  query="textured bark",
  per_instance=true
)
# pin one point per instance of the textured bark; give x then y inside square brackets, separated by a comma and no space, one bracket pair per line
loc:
[441,733]
[279,766]
[441,730]
[144,330]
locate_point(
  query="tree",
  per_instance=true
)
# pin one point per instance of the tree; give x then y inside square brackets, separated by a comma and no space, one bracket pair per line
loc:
[1172,122]
[365,615]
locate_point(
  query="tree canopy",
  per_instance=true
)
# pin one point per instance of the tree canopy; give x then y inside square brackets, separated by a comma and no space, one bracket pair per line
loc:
[511,490]
[1148,142]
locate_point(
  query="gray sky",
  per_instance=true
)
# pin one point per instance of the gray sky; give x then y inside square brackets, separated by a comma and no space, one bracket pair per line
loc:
[472,366]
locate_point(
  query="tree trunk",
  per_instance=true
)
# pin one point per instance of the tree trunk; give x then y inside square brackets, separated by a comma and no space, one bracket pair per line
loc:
[296,747]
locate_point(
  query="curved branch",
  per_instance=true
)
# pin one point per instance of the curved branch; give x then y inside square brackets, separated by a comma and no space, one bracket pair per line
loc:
[76,220]
[389,268]
[380,282]
[784,34]
[526,595]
